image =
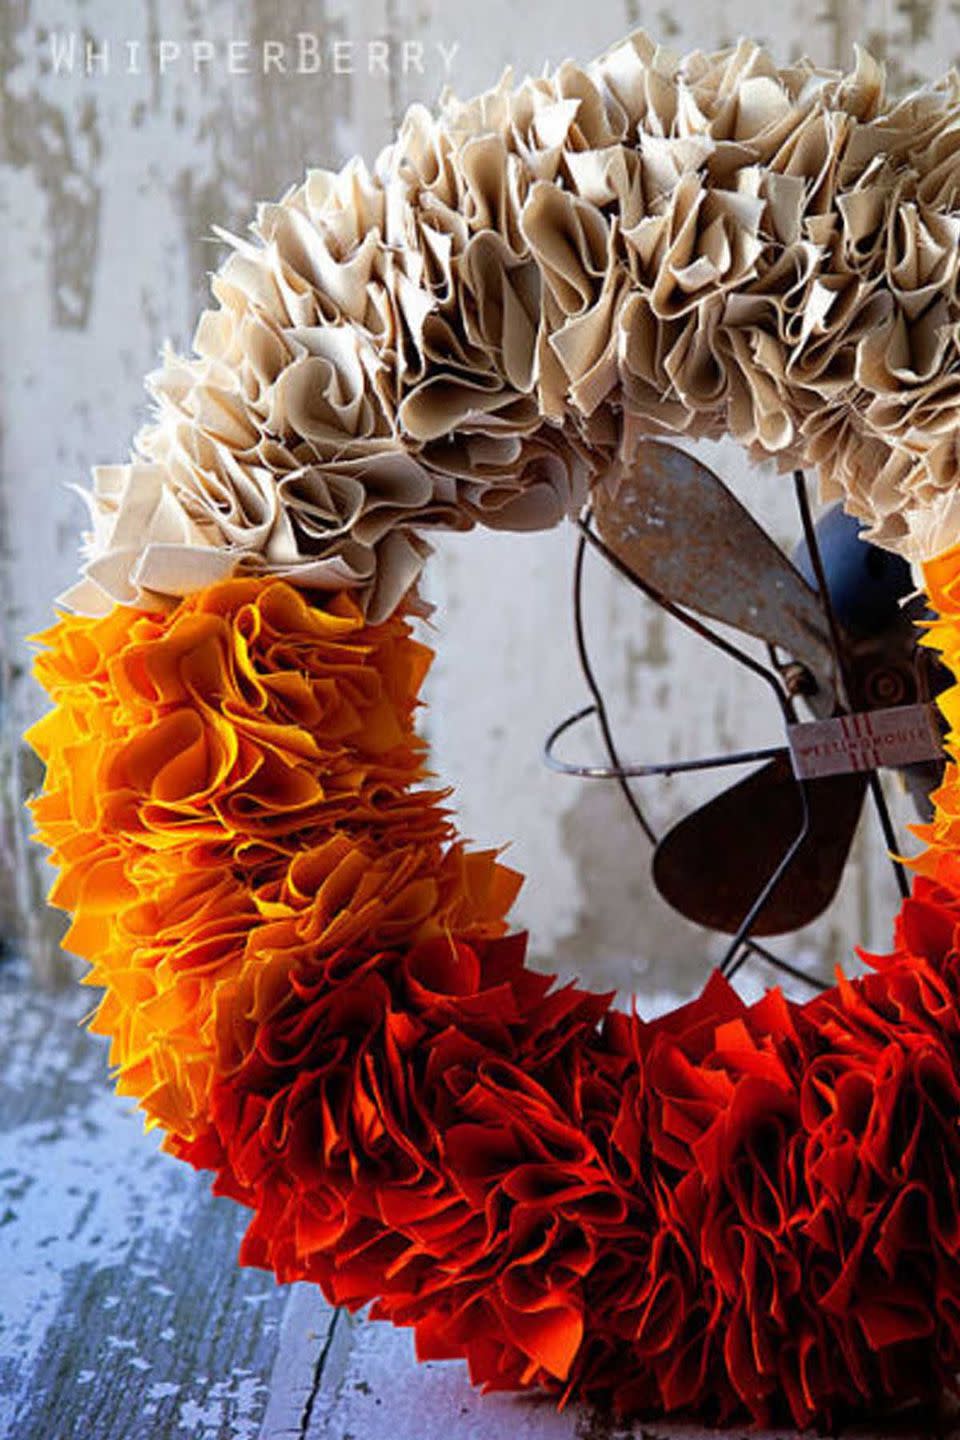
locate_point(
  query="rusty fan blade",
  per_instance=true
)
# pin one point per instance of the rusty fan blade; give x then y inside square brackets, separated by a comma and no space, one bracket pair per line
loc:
[675,524]
[712,865]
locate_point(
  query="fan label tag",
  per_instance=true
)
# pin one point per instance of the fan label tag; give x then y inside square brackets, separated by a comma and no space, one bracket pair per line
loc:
[867,741]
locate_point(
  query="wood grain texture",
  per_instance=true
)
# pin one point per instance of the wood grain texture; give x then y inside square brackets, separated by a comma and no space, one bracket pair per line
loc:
[377,1393]
[311,1336]
[123,1315]
[122,1310]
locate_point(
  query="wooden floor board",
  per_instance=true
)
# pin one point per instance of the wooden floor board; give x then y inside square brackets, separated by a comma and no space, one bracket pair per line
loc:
[123,1313]
[306,1339]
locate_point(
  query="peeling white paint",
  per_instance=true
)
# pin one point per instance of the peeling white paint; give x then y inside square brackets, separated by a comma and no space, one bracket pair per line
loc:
[109,190]
[102,1239]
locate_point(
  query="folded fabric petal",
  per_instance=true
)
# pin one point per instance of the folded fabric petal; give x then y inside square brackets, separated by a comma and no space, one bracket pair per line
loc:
[488,322]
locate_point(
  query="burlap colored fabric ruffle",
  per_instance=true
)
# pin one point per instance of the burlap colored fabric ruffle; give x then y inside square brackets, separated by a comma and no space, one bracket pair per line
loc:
[527,284]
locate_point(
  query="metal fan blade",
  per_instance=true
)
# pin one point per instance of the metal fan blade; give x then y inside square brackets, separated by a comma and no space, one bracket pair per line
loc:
[712,865]
[675,524]
[921,779]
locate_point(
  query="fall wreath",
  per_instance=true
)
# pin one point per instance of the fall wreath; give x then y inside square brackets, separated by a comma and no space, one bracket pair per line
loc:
[308,979]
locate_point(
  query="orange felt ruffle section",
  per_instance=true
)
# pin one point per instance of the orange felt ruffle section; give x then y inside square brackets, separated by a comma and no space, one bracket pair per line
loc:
[940,859]
[233,789]
[740,1212]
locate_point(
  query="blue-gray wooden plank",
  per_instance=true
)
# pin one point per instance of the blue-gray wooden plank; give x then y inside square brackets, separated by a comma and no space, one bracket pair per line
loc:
[373,1390]
[123,1313]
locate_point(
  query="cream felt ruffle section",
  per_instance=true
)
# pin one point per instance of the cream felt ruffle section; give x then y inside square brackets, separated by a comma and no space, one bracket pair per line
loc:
[525,286]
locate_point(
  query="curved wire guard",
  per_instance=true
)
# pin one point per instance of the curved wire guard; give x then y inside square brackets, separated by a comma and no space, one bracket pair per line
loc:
[742,946]
[843,674]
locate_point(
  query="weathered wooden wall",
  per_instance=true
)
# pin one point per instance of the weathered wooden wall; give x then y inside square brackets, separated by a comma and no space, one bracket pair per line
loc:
[110,184]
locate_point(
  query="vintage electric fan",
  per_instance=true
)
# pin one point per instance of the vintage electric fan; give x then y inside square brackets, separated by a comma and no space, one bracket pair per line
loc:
[766,855]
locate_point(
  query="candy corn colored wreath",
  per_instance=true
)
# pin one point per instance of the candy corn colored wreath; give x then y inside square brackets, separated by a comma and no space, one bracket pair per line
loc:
[309,981]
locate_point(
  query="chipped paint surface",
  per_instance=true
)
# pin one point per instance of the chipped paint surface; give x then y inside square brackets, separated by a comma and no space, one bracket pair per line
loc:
[122,1311]
[110,185]
[373,1391]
